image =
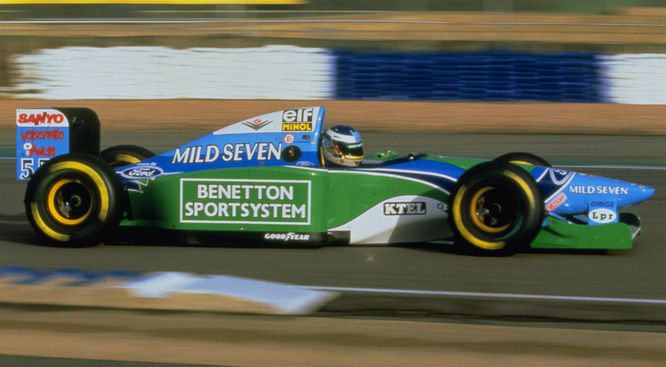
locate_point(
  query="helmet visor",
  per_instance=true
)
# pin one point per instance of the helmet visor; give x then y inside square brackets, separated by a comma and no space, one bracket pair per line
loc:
[350,150]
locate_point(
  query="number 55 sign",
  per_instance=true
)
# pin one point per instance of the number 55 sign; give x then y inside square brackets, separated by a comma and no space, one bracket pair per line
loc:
[41,134]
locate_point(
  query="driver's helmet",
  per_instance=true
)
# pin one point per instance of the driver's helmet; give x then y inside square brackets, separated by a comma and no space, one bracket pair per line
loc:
[342,145]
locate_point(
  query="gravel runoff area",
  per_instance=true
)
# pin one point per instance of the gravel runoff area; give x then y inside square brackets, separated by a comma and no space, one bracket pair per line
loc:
[218,339]
[380,116]
[636,28]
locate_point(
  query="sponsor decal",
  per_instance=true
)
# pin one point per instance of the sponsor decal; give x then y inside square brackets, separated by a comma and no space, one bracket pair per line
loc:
[288,139]
[605,190]
[559,176]
[33,150]
[286,237]
[602,204]
[257,124]
[602,215]
[142,172]
[40,118]
[304,164]
[42,134]
[556,202]
[286,202]
[298,115]
[228,153]
[602,212]
[297,126]
[443,207]
[413,208]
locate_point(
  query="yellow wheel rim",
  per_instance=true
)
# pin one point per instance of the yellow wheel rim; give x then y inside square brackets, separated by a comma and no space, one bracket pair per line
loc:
[97,179]
[464,232]
[53,210]
[474,214]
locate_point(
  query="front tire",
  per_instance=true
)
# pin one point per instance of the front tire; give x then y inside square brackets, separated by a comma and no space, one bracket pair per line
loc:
[522,158]
[122,155]
[496,208]
[74,200]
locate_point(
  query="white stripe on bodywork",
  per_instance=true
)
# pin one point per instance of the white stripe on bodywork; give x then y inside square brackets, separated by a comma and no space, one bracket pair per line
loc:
[425,173]
[375,227]
[365,172]
[615,167]
[543,174]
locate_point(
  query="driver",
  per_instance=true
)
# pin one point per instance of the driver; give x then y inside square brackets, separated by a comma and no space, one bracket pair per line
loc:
[342,145]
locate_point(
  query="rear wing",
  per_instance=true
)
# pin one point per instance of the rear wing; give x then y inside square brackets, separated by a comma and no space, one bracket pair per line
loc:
[44,133]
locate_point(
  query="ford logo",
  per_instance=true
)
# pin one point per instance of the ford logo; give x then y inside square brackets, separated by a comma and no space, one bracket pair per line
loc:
[141,172]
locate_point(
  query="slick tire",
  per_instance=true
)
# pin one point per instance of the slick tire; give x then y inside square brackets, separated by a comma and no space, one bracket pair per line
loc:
[522,158]
[74,200]
[496,208]
[122,155]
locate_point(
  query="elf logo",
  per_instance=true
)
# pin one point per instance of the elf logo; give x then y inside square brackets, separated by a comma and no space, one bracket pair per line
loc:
[412,208]
[298,115]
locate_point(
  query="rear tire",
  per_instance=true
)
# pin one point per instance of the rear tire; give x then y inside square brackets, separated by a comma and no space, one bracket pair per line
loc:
[122,155]
[496,208]
[522,158]
[74,200]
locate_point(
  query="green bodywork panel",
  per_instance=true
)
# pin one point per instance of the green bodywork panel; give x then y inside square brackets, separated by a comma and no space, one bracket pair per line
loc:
[350,193]
[286,199]
[558,234]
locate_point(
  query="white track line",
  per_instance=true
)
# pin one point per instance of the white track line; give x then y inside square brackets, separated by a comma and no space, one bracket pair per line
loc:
[614,166]
[533,297]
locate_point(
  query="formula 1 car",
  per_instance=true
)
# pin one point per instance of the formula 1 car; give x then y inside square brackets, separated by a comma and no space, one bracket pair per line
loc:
[265,179]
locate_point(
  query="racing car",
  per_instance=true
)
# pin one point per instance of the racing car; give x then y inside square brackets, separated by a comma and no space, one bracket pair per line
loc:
[265,178]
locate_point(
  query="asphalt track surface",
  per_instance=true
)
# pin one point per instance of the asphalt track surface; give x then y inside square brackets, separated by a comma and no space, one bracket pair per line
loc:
[635,276]
[26,361]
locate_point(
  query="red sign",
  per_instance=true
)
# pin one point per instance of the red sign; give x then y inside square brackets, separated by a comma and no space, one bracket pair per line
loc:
[556,202]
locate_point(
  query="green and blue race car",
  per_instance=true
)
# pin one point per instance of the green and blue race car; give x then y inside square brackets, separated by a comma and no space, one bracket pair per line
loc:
[265,178]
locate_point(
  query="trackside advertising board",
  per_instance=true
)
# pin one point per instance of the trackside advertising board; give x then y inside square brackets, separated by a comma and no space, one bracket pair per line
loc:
[245,201]
[41,134]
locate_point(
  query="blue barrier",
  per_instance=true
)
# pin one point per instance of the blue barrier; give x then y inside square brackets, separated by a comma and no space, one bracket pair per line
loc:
[22,275]
[478,76]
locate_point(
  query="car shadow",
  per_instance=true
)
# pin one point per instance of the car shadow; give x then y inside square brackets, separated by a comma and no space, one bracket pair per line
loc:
[462,250]
[146,236]
[15,228]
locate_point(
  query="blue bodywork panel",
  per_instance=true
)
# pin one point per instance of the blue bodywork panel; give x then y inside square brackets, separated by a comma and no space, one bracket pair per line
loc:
[291,138]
